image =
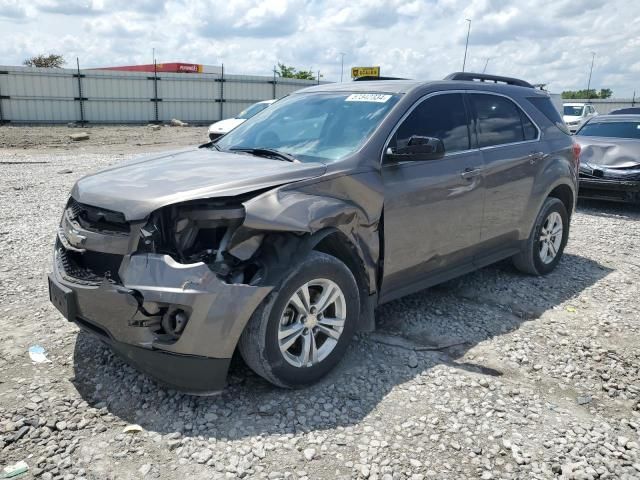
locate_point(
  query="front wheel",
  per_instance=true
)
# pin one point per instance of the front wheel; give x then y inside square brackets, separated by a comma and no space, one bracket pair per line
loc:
[303,328]
[549,236]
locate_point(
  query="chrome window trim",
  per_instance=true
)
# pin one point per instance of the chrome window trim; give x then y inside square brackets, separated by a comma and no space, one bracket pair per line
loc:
[459,152]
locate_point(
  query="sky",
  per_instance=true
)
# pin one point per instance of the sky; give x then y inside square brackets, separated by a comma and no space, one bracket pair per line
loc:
[541,41]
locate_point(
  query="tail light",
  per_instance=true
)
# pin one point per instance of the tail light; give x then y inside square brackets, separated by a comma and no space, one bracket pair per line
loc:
[576,155]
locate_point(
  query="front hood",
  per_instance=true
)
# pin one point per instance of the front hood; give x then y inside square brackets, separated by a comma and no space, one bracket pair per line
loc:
[609,152]
[225,126]
[141,186]
[571,118]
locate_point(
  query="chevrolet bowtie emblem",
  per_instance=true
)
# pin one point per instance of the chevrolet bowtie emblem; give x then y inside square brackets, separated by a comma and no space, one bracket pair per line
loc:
[74,238]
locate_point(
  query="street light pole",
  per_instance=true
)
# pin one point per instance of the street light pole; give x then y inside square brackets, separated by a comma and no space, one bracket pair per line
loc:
[342,54]
[485,64]
[593,57]
[466,46]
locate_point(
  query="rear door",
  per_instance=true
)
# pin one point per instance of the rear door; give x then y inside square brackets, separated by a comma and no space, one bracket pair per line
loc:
[512,154]
[433,208]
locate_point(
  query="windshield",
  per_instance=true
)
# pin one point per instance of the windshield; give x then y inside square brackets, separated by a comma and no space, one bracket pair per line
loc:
[252,110]
[573,111]
[611,129]
[323,127]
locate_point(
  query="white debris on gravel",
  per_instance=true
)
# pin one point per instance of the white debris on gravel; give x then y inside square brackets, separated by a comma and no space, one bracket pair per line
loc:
[76,137]
[542,380]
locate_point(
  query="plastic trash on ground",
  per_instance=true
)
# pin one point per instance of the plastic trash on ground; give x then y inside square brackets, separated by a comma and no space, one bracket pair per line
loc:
[12,471]
[132,428]
[38,354]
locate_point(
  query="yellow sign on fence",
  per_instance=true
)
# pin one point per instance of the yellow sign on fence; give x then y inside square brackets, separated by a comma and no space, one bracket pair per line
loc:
[357,72]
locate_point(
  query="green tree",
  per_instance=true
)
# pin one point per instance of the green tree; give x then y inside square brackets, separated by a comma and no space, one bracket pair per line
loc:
[45,61]
[584,94]
[285,71]
[605,93]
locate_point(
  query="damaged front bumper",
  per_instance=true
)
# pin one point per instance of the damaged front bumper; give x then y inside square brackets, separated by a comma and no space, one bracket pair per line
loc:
[129,315]
[612,189]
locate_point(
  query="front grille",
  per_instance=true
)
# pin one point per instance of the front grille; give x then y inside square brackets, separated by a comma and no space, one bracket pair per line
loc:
[98,219]
[88,267]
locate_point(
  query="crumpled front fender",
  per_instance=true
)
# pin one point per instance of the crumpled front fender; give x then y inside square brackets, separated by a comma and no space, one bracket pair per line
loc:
[351,204]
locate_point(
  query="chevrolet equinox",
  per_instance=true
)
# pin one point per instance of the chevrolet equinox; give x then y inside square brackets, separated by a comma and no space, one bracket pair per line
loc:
[279,239]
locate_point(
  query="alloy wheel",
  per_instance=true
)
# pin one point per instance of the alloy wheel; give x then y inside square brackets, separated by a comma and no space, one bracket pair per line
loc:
[550,237]
[312,323]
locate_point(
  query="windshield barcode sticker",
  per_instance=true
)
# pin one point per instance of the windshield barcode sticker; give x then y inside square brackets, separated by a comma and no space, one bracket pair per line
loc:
[368,97]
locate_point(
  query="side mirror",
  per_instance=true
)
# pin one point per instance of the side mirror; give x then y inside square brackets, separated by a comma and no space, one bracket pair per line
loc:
[415,149]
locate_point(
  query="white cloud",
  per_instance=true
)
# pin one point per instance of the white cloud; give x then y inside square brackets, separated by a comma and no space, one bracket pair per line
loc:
[548,41]
[13,10]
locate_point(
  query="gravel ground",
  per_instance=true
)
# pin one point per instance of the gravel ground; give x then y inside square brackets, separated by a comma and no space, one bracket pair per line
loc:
[102,139]
[540,378]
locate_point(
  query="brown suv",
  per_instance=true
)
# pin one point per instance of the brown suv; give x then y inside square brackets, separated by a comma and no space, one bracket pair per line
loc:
[281,238]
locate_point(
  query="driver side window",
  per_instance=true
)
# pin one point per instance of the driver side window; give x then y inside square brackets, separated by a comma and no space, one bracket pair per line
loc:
[441,116]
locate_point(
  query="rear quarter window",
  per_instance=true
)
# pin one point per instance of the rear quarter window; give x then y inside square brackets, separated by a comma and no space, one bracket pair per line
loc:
[499,121]
[546,107]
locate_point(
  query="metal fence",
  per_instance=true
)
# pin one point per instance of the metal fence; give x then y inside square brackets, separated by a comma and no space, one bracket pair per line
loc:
[604,106]
[55,95]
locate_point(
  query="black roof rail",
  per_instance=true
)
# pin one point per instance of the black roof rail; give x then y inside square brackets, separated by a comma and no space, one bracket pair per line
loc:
[371,77]
[483,77]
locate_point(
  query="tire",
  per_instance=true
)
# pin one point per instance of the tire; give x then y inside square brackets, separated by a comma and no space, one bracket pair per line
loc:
[532,259]
[264,338]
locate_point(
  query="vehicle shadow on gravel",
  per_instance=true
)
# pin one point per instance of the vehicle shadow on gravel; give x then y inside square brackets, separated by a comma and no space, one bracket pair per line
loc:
[482,305]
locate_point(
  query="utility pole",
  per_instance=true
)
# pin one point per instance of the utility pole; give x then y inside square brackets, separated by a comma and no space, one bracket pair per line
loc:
[485,65]
[464,61]
[342,54]
[593,57]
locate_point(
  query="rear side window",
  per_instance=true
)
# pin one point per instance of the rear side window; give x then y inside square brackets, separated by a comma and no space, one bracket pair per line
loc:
[441,116]
[548,109]
[500,121]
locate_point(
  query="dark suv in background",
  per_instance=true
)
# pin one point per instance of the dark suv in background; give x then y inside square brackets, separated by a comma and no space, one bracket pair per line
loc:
[280,238]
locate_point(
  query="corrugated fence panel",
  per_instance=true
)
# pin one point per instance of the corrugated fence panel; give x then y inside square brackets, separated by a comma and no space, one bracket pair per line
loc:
[52,95]
[119,111]
[118,97]
[34,93]
[120,86]
[191,98]
[49,111]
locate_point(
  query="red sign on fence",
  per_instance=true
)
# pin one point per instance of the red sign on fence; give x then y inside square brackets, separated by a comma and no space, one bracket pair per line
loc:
[174,67]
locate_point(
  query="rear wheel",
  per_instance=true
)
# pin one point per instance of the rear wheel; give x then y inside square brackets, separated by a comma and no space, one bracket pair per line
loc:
[549,236]
[304,327]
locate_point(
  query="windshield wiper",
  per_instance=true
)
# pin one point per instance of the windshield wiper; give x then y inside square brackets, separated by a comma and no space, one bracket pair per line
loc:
[267,152]
[210,145]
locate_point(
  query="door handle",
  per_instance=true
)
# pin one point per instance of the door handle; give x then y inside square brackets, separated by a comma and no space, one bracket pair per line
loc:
[469,173]
[535,156]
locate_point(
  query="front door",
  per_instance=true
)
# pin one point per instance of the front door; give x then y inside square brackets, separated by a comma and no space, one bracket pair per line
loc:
[433,208]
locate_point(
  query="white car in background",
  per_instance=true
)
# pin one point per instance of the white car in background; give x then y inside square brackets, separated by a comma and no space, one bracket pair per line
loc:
[218,129]
[575,114]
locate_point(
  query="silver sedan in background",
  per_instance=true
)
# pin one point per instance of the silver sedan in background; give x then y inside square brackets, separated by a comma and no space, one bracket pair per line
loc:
[610,158]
